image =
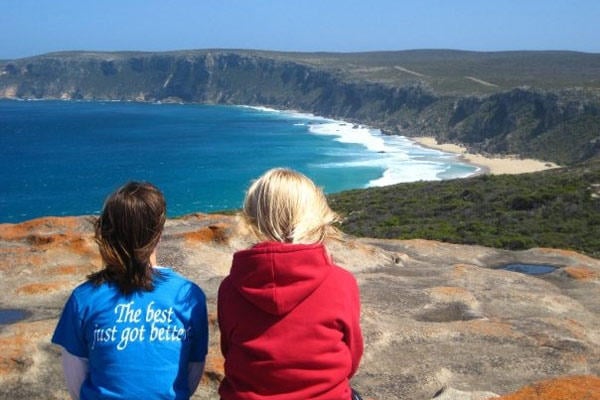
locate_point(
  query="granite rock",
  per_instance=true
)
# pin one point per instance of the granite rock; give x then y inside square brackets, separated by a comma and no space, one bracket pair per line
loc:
[440,320]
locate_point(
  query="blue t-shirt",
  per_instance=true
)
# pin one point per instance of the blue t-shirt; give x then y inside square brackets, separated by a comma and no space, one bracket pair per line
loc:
[138,346]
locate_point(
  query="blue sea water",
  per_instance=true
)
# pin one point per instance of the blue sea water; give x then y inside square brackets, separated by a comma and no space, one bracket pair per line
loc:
[63,158]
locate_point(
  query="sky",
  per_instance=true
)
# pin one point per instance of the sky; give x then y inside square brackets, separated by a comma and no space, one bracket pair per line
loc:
[33,27]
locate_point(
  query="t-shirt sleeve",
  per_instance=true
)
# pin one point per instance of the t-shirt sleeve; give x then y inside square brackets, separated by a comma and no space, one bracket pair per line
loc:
[69,332]
[199,345]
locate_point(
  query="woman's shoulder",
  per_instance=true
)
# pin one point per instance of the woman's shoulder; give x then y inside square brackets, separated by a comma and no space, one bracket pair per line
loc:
[339,276]
[89,292]
[341,272]
[170,274]
[175,279]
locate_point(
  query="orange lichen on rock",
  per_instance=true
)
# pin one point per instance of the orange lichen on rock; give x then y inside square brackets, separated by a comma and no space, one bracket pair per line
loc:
[585,387]
[21,257]
[80,269]
[460,270]
[451,293]
[14,348]
[214,367]
[82,246]
[203,235]
[41,227]
[72,234]
[18,343]
[489,328]
[212,233]
[566,253]
[580,273]
[43,288]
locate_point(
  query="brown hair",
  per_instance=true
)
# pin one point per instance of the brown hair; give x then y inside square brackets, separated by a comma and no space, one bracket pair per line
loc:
[286,206]
[127,232]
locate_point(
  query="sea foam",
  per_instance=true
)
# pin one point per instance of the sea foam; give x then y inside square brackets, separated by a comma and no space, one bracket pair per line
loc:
[401,159]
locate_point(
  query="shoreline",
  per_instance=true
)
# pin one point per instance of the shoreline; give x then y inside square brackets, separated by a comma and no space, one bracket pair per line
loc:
[498,165]
[493,165]
[489,165]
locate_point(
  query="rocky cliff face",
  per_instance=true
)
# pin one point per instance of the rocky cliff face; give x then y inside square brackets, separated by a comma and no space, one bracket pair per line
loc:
[525,121]
[540,124]
[440,321]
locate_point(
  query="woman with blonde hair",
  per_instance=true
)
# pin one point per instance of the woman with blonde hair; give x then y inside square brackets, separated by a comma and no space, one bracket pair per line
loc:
[133,330]
[288,316]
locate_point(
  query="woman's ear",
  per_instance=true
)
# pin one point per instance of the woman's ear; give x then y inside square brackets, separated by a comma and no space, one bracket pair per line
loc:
[153,258]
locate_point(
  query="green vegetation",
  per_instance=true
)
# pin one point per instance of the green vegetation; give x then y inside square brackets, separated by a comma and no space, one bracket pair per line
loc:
[465,73]
[556,208]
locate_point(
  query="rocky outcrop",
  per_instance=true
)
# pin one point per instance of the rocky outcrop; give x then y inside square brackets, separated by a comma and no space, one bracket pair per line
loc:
[558,123]
[440,321]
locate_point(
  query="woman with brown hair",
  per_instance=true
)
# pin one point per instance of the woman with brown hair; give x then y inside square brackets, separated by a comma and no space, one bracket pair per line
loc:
[133,330]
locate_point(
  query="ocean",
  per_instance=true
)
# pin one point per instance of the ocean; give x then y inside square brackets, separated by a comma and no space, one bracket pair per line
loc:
[63,158]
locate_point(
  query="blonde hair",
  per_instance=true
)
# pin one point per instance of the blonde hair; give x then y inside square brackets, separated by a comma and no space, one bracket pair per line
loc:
[285,206]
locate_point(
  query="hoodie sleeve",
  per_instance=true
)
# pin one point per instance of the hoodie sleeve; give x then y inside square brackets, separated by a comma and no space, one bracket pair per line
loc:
[353,334]
[222,312]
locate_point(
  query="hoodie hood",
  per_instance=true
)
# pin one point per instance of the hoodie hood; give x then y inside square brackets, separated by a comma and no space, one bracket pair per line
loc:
[276,277]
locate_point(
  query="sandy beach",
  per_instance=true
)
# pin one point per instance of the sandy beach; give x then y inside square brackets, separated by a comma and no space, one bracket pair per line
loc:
[490,165]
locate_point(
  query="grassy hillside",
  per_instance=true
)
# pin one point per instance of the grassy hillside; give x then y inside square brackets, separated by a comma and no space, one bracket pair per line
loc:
[466,73]
[555,208]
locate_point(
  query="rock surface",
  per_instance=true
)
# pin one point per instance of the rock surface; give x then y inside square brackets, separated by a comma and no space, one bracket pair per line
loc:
[440,321]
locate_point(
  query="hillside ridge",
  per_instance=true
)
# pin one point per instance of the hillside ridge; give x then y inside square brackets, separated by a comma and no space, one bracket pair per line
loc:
[543,105]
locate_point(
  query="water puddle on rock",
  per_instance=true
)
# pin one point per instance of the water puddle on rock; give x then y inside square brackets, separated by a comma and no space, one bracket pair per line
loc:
[530,269]
[9,316]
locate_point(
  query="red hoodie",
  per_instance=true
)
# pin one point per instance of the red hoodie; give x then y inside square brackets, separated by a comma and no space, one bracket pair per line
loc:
[289,322]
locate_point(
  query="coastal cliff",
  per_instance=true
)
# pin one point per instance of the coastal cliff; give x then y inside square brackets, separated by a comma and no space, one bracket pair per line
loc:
[544,105]
[441,321]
